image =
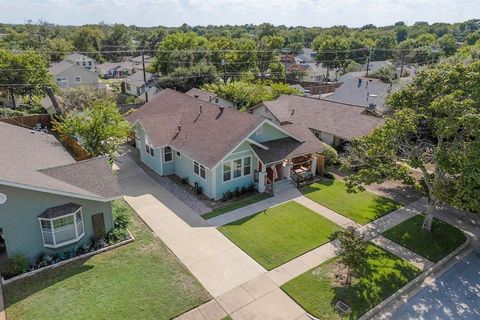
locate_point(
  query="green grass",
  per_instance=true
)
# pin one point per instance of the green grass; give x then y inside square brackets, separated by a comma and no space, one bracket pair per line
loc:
[361,207]
[317,292]
[235,205]
[141,280]
[434,245]
[281,233]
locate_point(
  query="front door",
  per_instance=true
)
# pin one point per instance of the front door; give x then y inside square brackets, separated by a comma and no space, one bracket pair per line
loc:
[98,224]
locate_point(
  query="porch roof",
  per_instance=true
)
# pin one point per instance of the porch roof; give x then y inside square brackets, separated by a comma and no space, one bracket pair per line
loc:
[287,148]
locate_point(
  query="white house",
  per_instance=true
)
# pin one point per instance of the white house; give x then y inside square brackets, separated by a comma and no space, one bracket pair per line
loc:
[67,75]
[82,61]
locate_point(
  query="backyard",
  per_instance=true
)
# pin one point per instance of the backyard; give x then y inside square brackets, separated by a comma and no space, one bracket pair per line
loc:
[361,207]
[318,290]
[434,245]
[141,280]
[281,233]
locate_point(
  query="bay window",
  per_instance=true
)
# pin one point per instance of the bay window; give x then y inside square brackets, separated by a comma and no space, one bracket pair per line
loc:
[61,225]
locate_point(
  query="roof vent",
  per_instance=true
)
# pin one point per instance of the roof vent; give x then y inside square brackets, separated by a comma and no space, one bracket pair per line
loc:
[220,108]
[201,109]
[196,96]
[179,128]
[293,111]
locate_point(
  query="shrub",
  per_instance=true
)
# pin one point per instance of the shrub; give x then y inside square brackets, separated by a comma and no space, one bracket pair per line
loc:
[198,189]
[115,235]
[16,265]
[386,74]
[184,180]
[328,175]
[330,155]
[121,217]
[353,67]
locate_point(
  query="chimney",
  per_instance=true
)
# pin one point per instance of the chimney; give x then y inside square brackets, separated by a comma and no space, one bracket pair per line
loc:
[196,96]
[293,111]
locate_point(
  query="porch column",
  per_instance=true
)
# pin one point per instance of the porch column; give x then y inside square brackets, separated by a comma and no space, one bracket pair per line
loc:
[313,167]
[288,169]
[261,179]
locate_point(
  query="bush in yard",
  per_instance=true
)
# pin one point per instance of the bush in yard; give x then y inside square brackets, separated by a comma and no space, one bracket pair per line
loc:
[330,155]
[16,265]
[353,252]
[121,218]
[115,235]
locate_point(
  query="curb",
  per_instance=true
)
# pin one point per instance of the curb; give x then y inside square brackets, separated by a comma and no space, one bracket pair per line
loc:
[61,263]
[419,279]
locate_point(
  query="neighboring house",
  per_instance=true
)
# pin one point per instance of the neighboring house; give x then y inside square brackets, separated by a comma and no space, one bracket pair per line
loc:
[300,88]
[331,122]
[366,92]
[135,85]
[310,72]
[219,149]
[117,69]
[49,203]
[67,75]
[210,97]
[307,56]
[82,61]
[138,60]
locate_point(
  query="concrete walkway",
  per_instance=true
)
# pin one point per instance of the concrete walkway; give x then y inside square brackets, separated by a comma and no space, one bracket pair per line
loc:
[402,252]
[231,276]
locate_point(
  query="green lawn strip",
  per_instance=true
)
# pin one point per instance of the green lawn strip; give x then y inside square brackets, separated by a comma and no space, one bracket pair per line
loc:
[361,207]
[235,205]
[141,280]
[317,292]
[281,233]
[434,245]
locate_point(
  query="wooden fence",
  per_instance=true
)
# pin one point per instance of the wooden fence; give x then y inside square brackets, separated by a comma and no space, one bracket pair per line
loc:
[30,121]
[77,151]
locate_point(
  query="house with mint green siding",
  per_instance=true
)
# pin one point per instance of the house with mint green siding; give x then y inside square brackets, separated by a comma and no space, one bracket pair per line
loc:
[49,203]
[219,149]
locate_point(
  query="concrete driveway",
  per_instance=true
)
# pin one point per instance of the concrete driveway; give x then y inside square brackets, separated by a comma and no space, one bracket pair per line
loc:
[454,295]
[213,259]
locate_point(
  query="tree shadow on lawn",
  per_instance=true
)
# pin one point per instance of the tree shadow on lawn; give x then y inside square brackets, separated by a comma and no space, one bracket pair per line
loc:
[381,277]
[23,288]
[383,206]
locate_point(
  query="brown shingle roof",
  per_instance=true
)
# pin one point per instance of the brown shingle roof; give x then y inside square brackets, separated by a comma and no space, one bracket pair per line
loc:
[25,156]
[206,137]
[202,94]
[286,148]
[341,120]
[59,211]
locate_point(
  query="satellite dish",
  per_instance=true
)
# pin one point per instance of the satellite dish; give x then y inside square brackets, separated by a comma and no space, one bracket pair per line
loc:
[3,198]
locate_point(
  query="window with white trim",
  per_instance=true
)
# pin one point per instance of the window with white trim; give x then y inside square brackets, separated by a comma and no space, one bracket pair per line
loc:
[227,171]
[167,154]
[199,169]
[237,168]
[62,82]
[62,230]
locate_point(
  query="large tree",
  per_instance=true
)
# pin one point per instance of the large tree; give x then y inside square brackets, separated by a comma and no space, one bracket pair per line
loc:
[332,51]
[267,59]
[100,128]
[23,74]
[433,127]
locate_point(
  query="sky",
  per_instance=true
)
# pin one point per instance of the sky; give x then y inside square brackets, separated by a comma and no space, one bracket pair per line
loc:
[322,13]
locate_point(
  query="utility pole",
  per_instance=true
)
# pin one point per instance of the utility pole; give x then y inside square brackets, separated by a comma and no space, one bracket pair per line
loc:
[401,68]
[224,64]
[368,63]
[144,76]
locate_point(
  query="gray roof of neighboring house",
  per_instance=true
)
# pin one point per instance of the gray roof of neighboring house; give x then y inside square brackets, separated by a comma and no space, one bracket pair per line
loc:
[376,65]
[106,66]
[137,80]
[365,92]
[77,56]
[35,160]
[206,137]
[63,66]
[298,87]
[202,94]
[341,120]
[59,211]
[138,59]
[287,148]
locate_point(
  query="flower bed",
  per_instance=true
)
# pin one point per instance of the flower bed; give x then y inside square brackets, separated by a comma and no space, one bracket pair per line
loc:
[45,262]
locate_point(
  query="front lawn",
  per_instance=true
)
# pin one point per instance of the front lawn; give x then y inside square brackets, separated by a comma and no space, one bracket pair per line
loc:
[434,245]
[141,280]
[235,205]
[280,233]
[317,290]
[361,207]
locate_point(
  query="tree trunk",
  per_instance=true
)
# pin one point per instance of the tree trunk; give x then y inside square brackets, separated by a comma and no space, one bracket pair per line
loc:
[427,222]
[14,101]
